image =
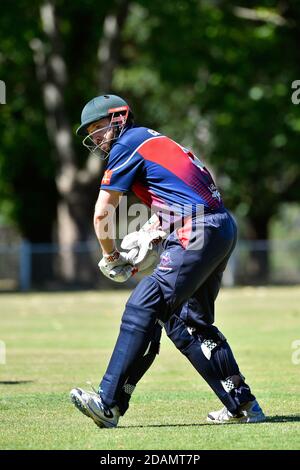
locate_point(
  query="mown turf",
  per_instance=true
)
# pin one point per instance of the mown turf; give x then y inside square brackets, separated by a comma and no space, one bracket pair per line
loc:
[57,341]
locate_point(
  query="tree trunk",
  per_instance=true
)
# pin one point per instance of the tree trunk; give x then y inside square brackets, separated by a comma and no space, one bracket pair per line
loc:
[109,45]
[77,188]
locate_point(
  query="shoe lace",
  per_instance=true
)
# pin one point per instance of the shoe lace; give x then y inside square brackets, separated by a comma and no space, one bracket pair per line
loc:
[92,387]
[98,395]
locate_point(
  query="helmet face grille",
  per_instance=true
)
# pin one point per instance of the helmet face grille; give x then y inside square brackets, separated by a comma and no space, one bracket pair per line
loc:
[117,125]
[96,148]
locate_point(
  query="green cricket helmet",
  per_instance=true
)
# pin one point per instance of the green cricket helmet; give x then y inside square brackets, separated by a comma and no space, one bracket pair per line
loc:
[102,139]
[104,106]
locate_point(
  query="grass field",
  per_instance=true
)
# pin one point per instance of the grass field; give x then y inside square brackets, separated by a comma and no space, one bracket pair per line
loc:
[60,340]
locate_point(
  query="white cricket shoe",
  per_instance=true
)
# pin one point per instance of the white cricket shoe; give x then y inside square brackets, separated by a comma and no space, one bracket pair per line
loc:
[251,412]
[90,404]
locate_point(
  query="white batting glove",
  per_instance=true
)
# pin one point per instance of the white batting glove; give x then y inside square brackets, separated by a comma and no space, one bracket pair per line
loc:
[117,266]
[143,246]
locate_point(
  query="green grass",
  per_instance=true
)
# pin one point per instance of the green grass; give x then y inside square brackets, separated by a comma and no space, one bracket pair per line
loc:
[57,341]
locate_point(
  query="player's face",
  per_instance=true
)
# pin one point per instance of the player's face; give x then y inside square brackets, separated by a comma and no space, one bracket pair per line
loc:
[101,133]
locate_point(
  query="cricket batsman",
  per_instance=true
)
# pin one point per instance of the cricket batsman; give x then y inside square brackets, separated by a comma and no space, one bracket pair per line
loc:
[179,295]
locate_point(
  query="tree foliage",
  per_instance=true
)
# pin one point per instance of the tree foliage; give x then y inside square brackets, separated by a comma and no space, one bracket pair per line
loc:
[214,75]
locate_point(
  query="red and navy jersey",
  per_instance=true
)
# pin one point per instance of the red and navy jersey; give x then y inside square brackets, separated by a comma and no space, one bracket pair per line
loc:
[159,171]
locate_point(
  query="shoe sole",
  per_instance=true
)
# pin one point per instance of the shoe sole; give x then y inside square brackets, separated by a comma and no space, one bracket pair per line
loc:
[81,406]
[87,411]
[78,402]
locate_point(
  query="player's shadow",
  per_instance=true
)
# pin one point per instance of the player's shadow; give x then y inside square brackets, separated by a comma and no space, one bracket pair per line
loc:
[15,382]
[165,425]
[283,419]
[269,419]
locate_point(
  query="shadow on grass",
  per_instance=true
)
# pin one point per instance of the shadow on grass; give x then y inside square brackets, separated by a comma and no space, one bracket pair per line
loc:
[15,382]
[283,419]
[165,425]
[270,419]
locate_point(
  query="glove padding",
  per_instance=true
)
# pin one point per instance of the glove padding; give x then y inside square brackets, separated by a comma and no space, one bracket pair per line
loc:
[117,266]
[144,247]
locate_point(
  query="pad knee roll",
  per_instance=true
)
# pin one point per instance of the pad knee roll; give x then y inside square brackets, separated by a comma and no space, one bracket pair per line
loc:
[144,304]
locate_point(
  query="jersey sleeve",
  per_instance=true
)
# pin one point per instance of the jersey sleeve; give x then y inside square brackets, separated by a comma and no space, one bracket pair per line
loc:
[124,166]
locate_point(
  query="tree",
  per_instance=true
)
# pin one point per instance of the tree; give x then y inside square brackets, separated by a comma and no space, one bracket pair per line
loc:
[224,82]
[212,75]
[76,181]
[24,150]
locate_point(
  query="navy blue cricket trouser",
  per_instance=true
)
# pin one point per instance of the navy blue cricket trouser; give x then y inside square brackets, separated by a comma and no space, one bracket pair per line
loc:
[186,282]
